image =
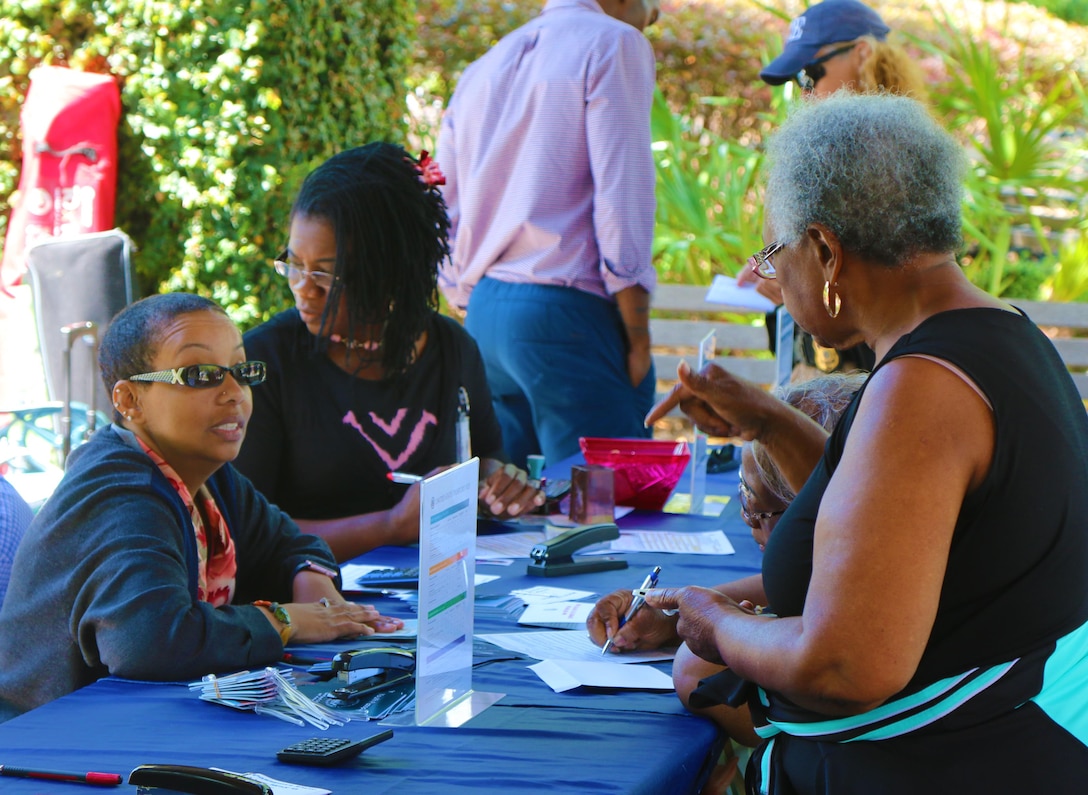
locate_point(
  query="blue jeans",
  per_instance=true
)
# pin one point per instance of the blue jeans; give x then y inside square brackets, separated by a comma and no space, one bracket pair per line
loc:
[556,362]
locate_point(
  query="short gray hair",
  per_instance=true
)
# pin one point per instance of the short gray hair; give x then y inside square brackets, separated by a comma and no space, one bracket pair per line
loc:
[824,399]
[876,169]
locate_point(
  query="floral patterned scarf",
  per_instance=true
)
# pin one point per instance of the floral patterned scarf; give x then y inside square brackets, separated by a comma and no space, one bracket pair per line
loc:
[215,578]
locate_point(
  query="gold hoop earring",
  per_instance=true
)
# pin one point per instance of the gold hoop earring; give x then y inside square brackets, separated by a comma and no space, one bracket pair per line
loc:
[831,313]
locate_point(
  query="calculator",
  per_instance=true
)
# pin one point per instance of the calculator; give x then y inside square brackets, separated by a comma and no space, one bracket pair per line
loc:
[390,578]
[328,750]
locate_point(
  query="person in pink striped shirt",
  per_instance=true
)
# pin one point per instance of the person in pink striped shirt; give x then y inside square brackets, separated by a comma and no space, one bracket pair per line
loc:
[545,146]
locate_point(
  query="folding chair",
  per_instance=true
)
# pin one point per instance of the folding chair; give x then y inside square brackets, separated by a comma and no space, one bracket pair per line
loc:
[78,283]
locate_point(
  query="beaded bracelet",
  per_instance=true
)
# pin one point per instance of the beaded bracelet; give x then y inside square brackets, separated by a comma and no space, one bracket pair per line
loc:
[279,612]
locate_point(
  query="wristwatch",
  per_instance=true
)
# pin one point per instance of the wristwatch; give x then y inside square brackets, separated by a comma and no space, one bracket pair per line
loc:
[309,565]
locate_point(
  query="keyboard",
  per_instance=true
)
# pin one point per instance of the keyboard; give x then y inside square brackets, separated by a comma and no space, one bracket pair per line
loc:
[390,578]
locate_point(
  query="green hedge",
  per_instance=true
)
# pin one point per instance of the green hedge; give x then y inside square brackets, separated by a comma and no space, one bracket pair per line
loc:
[226,105]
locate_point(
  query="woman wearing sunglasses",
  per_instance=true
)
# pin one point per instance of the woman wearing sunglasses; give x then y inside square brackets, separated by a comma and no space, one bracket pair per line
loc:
[842,44]
[154,559]
[837,45]
[365,377]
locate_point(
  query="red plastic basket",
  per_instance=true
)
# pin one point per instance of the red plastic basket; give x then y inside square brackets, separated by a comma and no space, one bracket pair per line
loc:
[646,471]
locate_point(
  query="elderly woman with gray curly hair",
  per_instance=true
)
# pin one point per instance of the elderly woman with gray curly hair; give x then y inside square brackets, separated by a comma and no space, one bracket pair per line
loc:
[929,605]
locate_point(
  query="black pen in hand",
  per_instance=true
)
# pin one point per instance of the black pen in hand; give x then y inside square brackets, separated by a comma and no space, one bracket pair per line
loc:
[639,601]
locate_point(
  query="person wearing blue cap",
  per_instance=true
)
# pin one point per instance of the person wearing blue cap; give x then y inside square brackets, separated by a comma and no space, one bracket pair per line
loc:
[843,44]
[836,45]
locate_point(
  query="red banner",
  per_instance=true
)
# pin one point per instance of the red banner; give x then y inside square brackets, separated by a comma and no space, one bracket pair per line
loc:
[68,184]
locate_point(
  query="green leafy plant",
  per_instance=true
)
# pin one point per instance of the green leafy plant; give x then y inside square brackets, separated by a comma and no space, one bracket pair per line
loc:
[1068,280]
[1011,115]
[225,108]
[709,197]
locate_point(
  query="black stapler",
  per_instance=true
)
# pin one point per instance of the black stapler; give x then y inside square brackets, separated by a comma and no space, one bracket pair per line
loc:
[554,558]
[351,666]
[364,672]
[194,780]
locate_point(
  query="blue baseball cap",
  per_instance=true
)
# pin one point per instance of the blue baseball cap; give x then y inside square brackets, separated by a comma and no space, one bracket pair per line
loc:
[824,23]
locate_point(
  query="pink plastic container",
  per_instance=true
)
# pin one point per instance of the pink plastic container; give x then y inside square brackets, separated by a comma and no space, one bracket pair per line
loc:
[646,470]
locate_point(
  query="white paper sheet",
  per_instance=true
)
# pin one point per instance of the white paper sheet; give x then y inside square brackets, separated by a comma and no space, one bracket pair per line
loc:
[713,542]
[280,787]
[725,290]
[563,675]
[557,615]
[568,645]
[507,545]
[543,594]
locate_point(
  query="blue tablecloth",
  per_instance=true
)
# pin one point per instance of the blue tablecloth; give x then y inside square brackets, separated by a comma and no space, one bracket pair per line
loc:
[532,740]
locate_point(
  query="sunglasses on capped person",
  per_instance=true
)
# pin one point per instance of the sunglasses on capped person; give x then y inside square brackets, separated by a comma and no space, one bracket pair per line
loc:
[813,73]
[206,376]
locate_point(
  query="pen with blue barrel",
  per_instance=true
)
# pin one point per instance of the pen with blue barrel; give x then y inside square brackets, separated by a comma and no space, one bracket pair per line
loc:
[639,601]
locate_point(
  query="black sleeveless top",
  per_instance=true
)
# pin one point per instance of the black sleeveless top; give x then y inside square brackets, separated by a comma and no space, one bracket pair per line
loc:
[1017,575]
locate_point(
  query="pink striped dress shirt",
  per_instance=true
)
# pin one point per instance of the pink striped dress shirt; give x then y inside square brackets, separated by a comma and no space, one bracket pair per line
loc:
[546,150]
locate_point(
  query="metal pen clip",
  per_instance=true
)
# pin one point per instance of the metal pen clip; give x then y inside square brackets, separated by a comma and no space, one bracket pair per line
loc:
[464,438]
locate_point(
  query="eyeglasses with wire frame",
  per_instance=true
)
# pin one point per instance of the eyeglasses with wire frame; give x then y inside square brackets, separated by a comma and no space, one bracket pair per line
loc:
[753,520]
[206,376]
[323,280]
[760,262]
[813,73]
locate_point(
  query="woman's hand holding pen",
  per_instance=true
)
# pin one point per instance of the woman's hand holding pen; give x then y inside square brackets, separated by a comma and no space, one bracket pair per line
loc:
[699,613]
[647,629]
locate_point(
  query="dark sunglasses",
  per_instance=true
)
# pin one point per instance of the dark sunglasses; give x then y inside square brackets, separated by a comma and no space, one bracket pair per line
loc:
[813,73]
[206,376]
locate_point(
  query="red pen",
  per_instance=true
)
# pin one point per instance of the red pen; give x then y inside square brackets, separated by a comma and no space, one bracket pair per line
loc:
[294,659]
[98,779]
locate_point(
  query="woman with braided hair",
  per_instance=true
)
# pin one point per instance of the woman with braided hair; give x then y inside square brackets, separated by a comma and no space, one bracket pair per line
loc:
[364,376]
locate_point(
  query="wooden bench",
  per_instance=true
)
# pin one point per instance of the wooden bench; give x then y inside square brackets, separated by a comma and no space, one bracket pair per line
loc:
[681,318]
[1067,326]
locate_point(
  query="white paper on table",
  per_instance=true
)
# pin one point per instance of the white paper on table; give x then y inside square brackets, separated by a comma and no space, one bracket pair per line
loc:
[712,542]
[543,594]
[725,290]
[507,545]
[279,787]
[557,644]
[563,675]
[557,615]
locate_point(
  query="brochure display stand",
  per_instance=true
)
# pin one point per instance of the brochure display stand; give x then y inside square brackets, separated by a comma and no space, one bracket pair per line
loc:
[447,572]
[699,452]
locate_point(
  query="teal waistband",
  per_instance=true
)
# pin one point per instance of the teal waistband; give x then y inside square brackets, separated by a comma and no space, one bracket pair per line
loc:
[897,717]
